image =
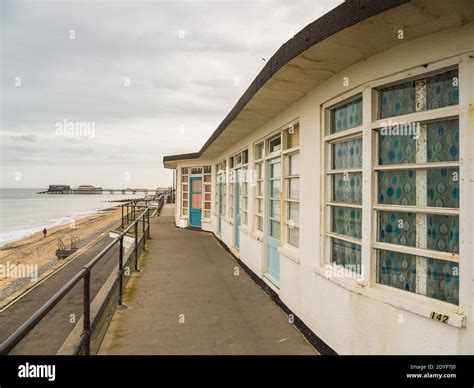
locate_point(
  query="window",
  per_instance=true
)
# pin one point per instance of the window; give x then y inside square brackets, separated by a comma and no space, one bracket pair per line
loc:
[292,199]
[291,136]
[259,151]
[239,162]
[244,188]
[274,144]
[291,192]
[344,184]
[220,178]
[418,189]
[346,116]
[240,159]
[274,199]
[245,198]
[245,157]
[207,192]
[184,191]
[432,92]
[231,193]
[259,187]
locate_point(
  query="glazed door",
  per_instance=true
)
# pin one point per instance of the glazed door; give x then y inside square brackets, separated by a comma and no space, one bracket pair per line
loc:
[195,211]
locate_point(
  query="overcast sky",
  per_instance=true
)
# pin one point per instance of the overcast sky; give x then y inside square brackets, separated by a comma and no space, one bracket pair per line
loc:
[96,92]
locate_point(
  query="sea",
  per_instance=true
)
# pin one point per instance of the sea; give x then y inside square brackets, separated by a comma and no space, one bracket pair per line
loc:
[23,212]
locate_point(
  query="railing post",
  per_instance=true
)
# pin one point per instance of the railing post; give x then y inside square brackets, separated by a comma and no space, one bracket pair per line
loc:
[144,230]
[136,246]
[148,218]
[121,220]
[87,313]
[120,270]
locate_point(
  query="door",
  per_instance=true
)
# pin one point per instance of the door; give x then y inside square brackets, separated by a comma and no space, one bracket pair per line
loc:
[219,206]
[273,219]
[237,210]
[195,210]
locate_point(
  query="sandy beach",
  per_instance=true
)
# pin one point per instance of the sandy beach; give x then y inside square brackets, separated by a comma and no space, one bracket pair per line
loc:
[37,251]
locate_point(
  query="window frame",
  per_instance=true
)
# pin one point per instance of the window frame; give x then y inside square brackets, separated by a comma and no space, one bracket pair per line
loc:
[287,200]
[205,185]
[328,140]
[244,194]
[424,117]
[238,162]
[259,180]
[287,152]
[199,171]
[367,286]
[221,176]
[268,144]
[184,181]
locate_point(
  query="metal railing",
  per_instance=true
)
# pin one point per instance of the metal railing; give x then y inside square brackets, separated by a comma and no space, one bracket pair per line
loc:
[85,275]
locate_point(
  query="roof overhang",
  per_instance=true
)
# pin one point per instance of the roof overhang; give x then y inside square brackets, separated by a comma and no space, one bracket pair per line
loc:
[350,33]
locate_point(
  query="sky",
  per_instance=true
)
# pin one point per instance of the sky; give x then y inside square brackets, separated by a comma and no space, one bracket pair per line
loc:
[97,92]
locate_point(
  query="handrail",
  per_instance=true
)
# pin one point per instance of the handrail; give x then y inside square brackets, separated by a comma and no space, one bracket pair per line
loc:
[84,274]
[132,204]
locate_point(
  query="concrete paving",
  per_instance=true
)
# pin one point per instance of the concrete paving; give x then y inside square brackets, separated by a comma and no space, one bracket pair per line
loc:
[187,300]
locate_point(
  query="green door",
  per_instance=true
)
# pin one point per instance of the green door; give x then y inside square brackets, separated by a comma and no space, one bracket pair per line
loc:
[237,210]
[273,220]
[195,210]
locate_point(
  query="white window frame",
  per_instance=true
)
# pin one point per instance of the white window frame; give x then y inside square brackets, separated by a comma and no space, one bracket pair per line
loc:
[244,195]
[204,192]
[221,174]
[367,286]
[328,140]
[289,249]
[423,116]
[230,213]
[237,163]
[259,162]
[292,252]
[184,210]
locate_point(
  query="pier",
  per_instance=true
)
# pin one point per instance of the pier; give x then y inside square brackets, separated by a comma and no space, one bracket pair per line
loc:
[89,189]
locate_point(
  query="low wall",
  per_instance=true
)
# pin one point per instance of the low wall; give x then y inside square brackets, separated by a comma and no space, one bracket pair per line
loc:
[102,307]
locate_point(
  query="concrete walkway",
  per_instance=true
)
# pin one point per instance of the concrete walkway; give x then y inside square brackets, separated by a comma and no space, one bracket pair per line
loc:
[187,300]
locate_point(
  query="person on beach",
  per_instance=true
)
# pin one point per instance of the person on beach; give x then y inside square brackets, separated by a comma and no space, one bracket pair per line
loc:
[45,232]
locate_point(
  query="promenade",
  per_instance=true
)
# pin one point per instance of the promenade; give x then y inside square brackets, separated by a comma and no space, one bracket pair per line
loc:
[189,300]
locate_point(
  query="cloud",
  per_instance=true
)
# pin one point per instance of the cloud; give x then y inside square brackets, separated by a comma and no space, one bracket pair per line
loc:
[154,78]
